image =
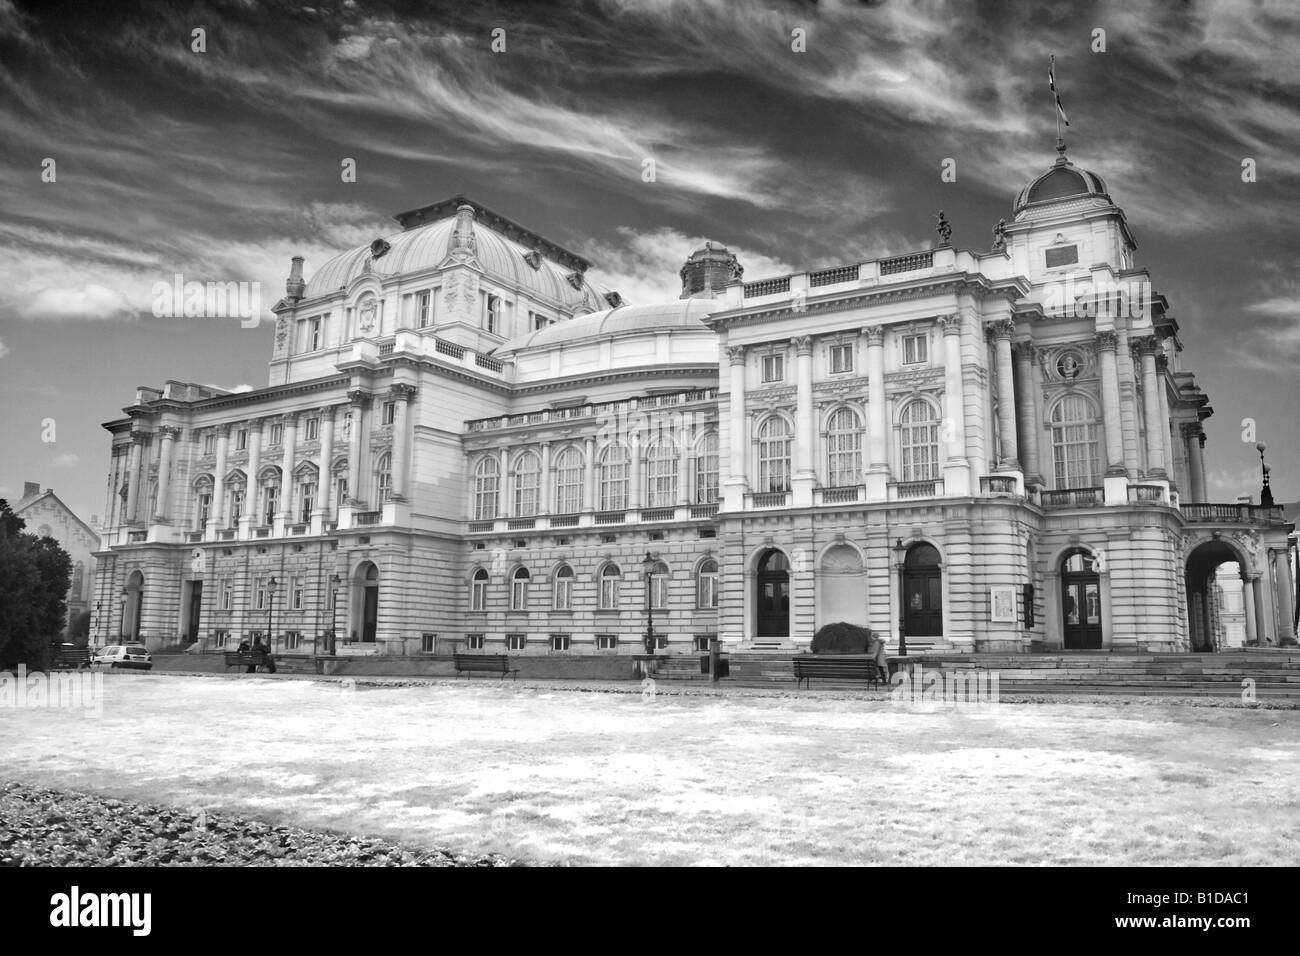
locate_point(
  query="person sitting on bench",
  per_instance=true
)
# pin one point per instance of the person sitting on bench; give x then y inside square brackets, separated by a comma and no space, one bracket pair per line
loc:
[264,652]
[876,648]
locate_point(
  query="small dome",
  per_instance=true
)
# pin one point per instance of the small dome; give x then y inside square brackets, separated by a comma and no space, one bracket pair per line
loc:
[708,270]
[1063,180]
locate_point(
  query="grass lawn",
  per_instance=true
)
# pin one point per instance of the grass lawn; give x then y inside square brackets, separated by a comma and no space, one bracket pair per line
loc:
[745,778]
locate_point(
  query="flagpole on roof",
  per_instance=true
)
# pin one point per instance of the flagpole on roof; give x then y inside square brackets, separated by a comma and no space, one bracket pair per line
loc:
[1060,110]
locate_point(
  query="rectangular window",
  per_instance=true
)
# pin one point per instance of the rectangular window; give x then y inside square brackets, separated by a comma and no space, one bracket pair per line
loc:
[428,643]
[219,638]
[241,439]
[389,412]
[316,327]
[516,642]
[914,349]
[606,642]
[841,359]
[1061,256]
[609,590]
[773,368]
[298,593]
[478,594]
[539,321]
[292,640]
[259,596]
[706,590]
[227,594]
[564,590]
[473,642]
[209,444]
[492,309]
[519,592]
[559,642]
[658,591]
[277,433]
[311,429]
[205,509]
[703,642]
[424,310]
[236,506]
[272,495]
[309,338]
[342,485]
[307,495]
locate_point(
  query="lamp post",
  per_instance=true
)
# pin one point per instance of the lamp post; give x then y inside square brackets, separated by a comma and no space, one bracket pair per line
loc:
[648,564]
[335,582]
[1265,493]
[270,609]
[99,616]
[900,553]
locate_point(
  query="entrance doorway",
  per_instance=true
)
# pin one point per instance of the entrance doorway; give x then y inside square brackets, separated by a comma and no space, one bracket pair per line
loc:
[1220,605]
[194,611]
[773,595]
[922,592]
[1080,601]
[367,580]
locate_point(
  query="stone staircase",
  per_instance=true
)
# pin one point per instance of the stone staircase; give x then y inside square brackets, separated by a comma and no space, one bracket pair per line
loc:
[1275,672]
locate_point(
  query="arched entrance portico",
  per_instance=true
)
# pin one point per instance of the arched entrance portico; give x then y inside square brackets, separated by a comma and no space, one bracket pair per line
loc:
[772,595]
[1207,612]
[365,602]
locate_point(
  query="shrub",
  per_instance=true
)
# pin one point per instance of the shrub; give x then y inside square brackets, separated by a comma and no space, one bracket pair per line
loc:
[841,638]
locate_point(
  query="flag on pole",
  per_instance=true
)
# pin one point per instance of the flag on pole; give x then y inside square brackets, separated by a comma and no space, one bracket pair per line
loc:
[1051,81]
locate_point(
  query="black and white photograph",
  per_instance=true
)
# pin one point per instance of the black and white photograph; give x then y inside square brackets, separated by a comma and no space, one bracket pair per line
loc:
[649,434]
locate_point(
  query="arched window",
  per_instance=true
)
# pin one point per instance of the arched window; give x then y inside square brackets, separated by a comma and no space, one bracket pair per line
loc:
[384,477]
[563,588]
[528,480]
[203,501]
[919,433]
[519,589]
[658,585]
[269,484]
[236,484]
[661,472]
[706,585]
[307,479]
[478,586]
[569,475]
[843,449]
[487,486]
[614,472]
[706,470]
[610,576]
[774,455]
[1074,443]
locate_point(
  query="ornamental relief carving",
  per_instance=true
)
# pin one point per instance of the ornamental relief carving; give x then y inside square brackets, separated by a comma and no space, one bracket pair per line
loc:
[841,386]
[914,378]
[1068,364]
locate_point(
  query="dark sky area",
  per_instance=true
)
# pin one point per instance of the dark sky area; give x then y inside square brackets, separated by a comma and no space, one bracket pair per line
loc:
[221,165]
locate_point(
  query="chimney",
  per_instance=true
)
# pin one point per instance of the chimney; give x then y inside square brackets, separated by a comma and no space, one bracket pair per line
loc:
[294,286]
[31,488]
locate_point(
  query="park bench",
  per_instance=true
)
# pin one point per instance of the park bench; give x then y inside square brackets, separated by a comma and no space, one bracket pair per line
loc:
[72,657]
[488,663]
[236,659]
[830,668]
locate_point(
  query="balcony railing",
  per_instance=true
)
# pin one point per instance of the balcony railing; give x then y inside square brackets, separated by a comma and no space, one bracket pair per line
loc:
[447,348]
[227,534]
[137,537]
[193,536]
[998,485]
[611,517]
[833,276]
[1232,514]
[841,495]
[1143,494]
[364,519]
[477,527]
[521,524]
[299,528]
[622,406]
[658,514]
[907,490]
[770,499]
[704,511]
[910,263]
[564,521]
[767,287]
[1074,498]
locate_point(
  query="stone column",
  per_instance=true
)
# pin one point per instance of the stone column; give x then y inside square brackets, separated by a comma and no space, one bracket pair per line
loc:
[877,457]
[1027,410]
[135,475]
[217,514]
[504,508]
[590,501]
[286,468]
[400,395]
[324,465]
[956,466]
[805,437]
[1162,395]
[737,483]
[1261,610]
[253,499]
[1106,342]
[169,433]
[1280,582]
[1010,457]
[546,482]
[636,463]
[1156,465]
[1248,602]
[684,466]
[358,400]
[1195,463]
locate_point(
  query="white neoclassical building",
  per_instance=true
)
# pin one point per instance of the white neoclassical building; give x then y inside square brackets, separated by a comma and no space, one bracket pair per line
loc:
[465,444]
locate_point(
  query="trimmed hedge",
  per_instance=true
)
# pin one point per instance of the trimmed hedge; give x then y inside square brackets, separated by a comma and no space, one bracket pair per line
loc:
[841,638]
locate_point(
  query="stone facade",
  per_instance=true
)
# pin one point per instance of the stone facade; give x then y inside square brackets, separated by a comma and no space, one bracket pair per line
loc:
[466,444]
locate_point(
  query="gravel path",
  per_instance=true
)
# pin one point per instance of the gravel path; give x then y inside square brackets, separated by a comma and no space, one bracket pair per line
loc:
[42,827]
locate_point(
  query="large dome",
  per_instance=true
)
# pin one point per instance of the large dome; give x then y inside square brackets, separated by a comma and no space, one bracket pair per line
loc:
[1063,180]
[684,315]
[427,246]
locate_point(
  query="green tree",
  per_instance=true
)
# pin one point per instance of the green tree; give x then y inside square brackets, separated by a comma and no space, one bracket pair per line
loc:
[34,577]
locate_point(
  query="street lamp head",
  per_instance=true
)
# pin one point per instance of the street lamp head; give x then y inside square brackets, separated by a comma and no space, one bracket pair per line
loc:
[898,546]
[271,583]
[1261,448]
[648,563]
[336,580]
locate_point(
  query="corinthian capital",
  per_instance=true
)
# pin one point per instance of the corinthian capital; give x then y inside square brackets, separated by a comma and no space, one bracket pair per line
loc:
[1105,341]
[736,354]
[875,335]
[951,323]
[802,344]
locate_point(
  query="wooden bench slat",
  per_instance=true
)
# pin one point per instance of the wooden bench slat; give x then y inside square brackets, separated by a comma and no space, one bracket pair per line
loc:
[806,668]
[488,663]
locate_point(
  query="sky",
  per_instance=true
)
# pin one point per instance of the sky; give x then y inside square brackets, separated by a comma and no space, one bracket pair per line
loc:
[221,164]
